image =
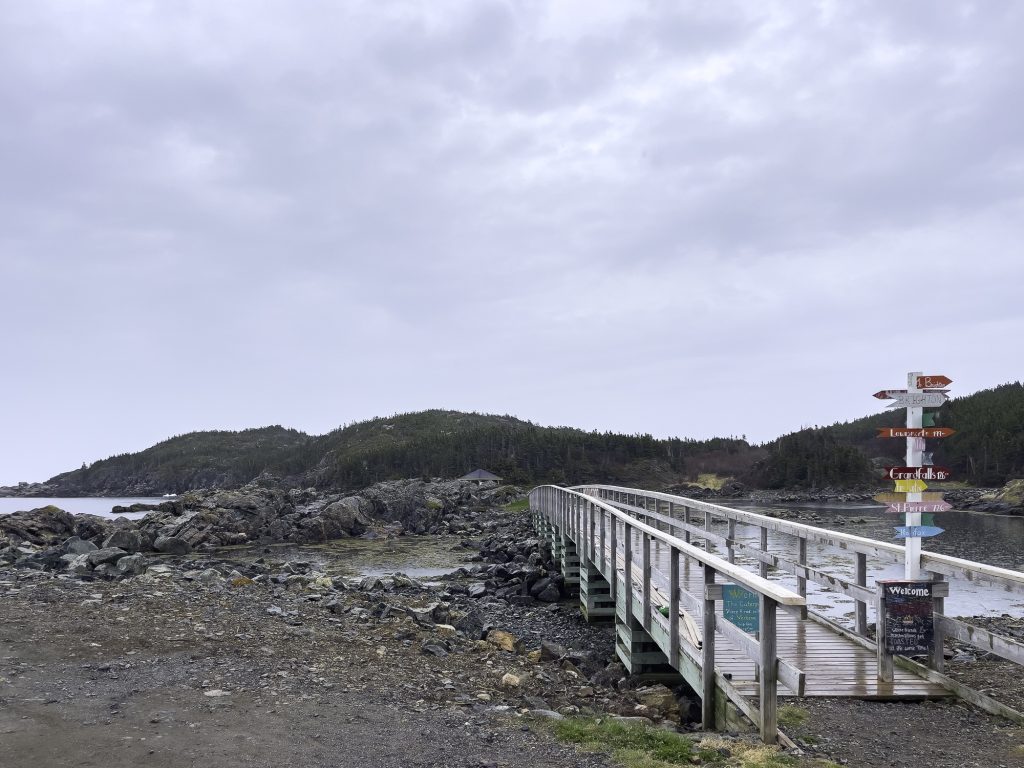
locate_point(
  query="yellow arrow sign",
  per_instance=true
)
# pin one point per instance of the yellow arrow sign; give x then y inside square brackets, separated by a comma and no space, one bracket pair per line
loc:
[910,486]
[901,498]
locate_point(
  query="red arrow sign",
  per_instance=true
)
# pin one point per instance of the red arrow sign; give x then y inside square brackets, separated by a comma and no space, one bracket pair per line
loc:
[918,473]
[933,381]
[915,431]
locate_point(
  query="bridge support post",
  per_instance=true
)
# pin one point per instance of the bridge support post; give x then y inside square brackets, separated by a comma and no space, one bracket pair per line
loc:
[570,562]
[596,596]
[640,653]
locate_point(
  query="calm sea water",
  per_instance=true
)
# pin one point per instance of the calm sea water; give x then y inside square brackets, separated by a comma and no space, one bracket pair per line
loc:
[985,538]
[83,506]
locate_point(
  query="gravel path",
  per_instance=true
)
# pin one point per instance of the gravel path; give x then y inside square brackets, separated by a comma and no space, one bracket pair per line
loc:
[145,674]
[873,734]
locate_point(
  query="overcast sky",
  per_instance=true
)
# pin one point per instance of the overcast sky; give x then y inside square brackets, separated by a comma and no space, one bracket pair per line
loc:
[686,219]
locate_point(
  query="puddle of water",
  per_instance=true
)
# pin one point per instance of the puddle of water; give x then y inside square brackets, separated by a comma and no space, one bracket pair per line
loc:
[422,558]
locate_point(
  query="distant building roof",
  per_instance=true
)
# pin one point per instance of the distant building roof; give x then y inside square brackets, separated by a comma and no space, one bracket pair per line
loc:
[480,474]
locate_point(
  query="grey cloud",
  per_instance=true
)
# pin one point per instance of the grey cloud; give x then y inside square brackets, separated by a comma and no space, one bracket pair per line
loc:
[221,215]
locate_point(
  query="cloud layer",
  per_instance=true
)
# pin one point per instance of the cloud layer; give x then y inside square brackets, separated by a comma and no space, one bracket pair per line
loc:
[688,219]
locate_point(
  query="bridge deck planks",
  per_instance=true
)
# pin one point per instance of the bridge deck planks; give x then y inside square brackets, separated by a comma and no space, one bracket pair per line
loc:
[834,666]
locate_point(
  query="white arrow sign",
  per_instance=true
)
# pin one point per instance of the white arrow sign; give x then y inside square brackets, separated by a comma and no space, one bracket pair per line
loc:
[917,399]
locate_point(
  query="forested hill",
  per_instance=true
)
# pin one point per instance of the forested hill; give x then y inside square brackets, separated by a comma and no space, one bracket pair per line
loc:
[987,449]
[426,444]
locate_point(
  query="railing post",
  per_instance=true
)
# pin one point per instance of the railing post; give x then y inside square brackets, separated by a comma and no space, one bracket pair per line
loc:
[801,559]
[730,548]
[768,684]
[647,581]
[763,566]
[860,607]
[589,506]
[707,529]
[938,650]
[612,572]
[604,536]
[885,673]
[627,559]
[673,606]
[707,652]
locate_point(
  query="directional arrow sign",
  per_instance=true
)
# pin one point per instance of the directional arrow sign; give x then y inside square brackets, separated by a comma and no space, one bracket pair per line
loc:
[901,498]
[927,382]
[903,507]
[931,432]
[889,394]
[911,531]
[918,473]
[917,399]
[910,486]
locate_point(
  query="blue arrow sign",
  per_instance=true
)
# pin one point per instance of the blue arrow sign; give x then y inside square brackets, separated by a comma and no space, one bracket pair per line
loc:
[923,531]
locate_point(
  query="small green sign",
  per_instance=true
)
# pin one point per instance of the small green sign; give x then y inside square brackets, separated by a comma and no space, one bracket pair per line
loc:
[740,606]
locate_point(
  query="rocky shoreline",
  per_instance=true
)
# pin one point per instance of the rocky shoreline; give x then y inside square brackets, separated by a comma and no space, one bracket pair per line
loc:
[242,634]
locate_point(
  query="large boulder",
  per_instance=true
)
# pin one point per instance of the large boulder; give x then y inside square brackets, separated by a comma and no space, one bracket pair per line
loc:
[172,545]
[76,546]
[95,528]
[43,526]
[128,539]
[104,556]
[350,516]
[132,565]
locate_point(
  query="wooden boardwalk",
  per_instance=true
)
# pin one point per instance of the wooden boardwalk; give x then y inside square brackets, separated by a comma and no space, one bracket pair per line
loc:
[834,664]
[635,552]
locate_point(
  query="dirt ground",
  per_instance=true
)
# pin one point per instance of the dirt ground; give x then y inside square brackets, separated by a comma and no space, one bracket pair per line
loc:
[102,675]
[172,671]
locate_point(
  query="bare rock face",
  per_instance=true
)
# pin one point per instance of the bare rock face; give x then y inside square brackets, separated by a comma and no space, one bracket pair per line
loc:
[43,526]
[1011,494]
[259,514]
[350,516]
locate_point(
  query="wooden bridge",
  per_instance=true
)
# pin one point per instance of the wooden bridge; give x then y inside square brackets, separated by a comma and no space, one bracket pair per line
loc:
[656,565]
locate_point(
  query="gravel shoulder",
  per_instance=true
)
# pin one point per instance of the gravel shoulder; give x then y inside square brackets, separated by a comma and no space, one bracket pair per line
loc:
[130,673]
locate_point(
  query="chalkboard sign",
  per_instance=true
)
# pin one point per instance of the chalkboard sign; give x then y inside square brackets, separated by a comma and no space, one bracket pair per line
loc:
[908,617]
[740,606]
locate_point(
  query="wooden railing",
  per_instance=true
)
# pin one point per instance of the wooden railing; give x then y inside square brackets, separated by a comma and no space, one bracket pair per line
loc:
[680,515]
[619,545]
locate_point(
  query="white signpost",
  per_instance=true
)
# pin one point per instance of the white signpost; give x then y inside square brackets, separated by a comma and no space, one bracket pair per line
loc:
[915,398]
[915,411]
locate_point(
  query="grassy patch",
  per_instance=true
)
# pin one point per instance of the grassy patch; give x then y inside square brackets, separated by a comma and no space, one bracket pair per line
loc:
[710,480]
[519,505]
[742,754]
[791,716]
[633,745]
[643,746]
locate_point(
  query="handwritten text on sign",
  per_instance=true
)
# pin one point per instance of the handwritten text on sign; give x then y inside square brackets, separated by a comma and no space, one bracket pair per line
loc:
[908,617]
[740,606]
